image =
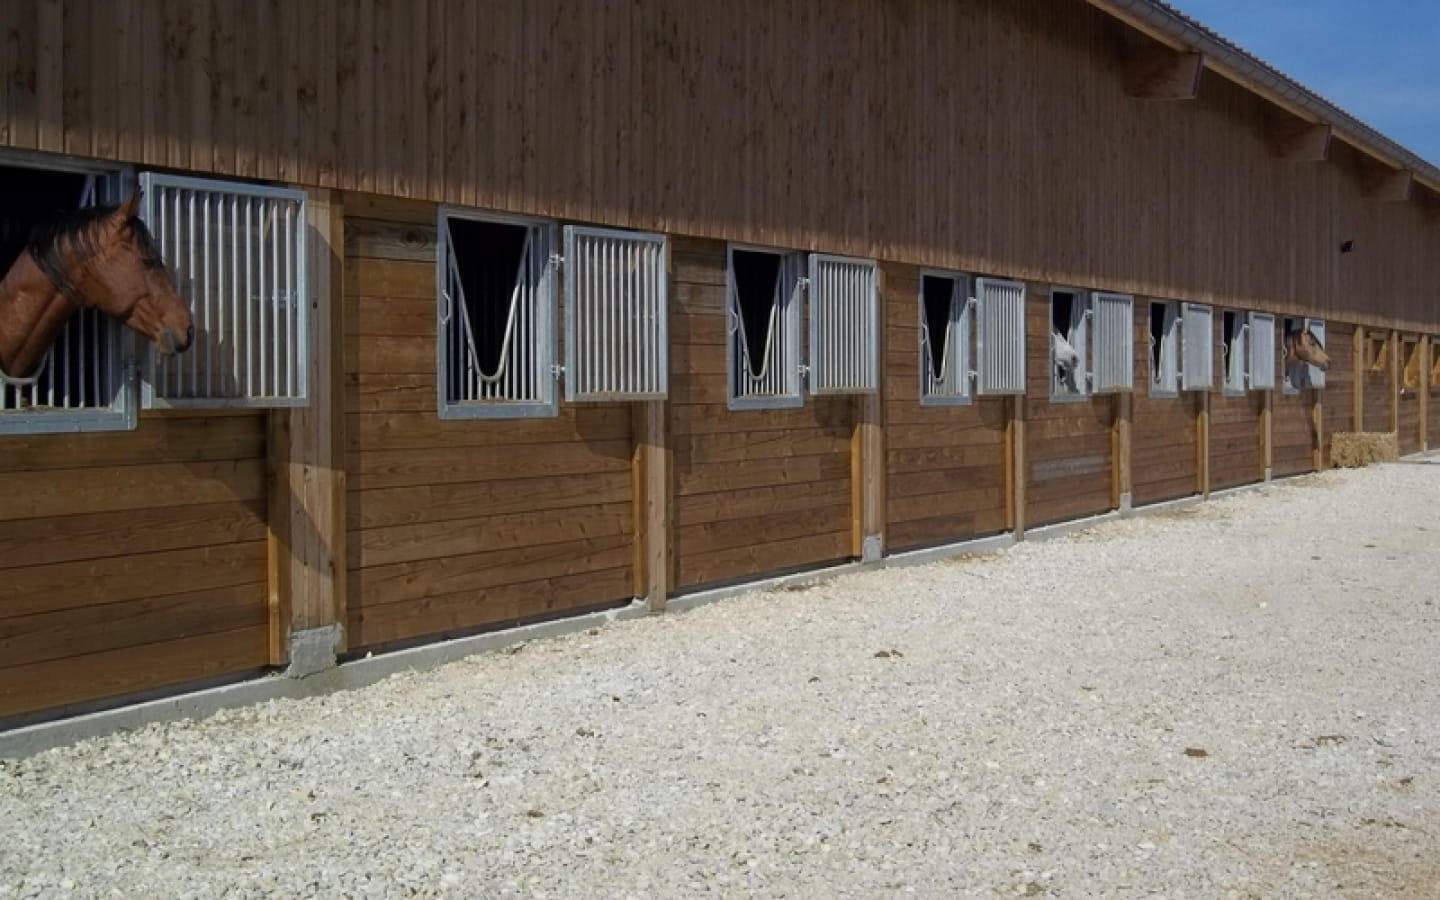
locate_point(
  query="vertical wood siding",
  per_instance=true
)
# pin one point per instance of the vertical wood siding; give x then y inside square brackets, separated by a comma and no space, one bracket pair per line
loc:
[457,525]
[945,465]
[131,561]
[819,124]
[756,491]
[1069,463]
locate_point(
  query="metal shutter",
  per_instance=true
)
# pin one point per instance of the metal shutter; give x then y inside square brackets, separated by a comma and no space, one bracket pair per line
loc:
[1113,339]
[1197,354]
[1262,352]
[844,326]
[238,255]
[1000,337]
[616,334]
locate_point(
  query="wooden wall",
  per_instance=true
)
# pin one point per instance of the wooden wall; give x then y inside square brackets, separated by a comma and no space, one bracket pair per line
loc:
[1237,435]
[945,465]
[1164,434]
[131,561]
[1069,465]
[755,491]
[811,124]
[459,525]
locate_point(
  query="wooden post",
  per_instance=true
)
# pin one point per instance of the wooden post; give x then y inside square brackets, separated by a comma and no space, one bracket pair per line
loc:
[1122,482]
[1423,390]
[307,533]
[867,483]
[1359,387]
[651,491]
[1395,383]
[1317,426]
[1202,444]
[1015,465]
[1267,435]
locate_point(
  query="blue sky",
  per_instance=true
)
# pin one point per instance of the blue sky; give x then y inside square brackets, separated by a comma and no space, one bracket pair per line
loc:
[1378,60]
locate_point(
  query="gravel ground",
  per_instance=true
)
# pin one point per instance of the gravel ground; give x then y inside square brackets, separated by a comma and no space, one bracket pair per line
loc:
[1238,699]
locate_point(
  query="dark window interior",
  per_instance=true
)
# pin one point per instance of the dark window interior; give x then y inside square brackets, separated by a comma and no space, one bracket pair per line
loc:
[488,256]
[938,297]
[1157,335]
[1062,313]
[757,277]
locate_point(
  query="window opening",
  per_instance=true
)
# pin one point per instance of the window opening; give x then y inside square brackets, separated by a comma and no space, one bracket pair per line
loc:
[944,339]
[496,344]
[1164,366]
[763,329]
[1068,371]
[1232,351]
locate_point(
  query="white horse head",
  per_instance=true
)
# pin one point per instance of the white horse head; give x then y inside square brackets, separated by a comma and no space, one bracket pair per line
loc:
[1066,360]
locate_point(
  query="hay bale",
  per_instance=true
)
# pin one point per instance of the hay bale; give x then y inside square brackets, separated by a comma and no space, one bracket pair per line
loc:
[1360,448]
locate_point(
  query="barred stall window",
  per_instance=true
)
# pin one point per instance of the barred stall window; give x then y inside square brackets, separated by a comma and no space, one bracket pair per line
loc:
[844,325]
[1197,347]
[1069,344]
[1113,337]
[1233,358]
[1164,348]
[495,352]
[1261,367]
[616,327]
[944,339]
[238,255]
[763,329]
[999,337]
[1304,340]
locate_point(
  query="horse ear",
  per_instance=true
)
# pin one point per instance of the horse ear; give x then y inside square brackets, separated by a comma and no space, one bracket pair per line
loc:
[126,211]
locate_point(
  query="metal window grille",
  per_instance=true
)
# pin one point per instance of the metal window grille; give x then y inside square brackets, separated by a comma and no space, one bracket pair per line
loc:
[1113,337]
[84,383]
[844,325]
[1314,375]
[999,337]
[944,339]
[764,363]
[616,337]
[495,344]
[1262,352]
[238,255]
[1164,349]
[1071,334]
[1293,374]
[1197,335]
[1233,357]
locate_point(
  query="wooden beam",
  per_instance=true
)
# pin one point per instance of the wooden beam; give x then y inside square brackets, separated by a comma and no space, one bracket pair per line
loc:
[1267,436]
[1202,443]
[1122,482]
[1394,346]
[1297,140]
[651,491]
[1424,391]
[1317,427]
[1015,474]
[307,516]
[1156,72]
[868,479]
[1359,387]
[1390,186]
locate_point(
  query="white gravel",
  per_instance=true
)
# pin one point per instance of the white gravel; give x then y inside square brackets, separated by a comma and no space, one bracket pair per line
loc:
[1239,699]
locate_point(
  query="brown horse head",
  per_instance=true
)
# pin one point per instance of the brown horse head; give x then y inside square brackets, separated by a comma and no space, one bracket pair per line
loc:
[101,258]
[106,259]
[1303,346]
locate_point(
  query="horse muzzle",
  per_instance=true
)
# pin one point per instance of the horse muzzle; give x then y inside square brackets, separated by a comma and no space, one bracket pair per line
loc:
[170,343]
